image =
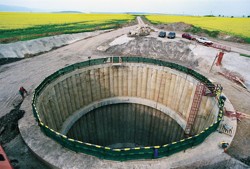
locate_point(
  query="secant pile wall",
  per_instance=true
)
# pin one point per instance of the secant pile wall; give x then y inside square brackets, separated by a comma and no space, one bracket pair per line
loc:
[79,88]
[126,125]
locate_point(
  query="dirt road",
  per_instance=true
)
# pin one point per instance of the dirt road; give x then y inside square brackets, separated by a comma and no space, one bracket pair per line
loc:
[140,21]
[30,72]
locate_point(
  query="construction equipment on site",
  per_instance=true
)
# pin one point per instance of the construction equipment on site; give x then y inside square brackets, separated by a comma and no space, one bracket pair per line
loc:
[226,129]
[224,48]
[224,145]
[238,115]
[219,58]
[143,30]
[213,91]
[234,78]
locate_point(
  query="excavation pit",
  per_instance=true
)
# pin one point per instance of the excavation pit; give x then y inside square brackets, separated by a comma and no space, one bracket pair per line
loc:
[126,125]
[126,108]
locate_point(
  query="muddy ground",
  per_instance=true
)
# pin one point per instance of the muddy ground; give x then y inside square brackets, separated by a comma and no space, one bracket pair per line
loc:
[29,72]
[20,156]
[18,153]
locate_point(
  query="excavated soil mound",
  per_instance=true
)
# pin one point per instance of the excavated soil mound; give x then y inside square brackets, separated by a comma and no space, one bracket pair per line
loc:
[178,26]
[176,51]
[230,38]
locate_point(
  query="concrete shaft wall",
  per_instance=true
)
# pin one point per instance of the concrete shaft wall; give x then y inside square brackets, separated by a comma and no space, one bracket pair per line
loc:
[79,88]
[126,124]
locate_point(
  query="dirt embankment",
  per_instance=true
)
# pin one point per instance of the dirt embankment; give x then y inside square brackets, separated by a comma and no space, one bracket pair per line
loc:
[8,125]
[178,26]
[146,46]
[35,47]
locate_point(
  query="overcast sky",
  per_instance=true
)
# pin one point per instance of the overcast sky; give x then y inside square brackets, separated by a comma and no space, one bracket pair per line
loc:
[193,7]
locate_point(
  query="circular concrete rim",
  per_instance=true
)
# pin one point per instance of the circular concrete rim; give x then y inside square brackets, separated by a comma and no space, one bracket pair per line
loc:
[55,156]
[110,60]
[120,64]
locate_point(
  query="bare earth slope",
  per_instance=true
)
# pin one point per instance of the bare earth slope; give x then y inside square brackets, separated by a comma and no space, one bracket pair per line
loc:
[37,46]
[143,46]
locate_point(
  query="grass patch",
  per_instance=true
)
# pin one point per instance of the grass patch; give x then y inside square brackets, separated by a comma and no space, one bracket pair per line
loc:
[247,40]
[245,55]
[197,30]
[13,35]
[8,60]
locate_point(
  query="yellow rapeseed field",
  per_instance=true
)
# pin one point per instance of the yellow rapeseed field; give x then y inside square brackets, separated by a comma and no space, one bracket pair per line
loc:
[235,26]
[14,20]
[24,26]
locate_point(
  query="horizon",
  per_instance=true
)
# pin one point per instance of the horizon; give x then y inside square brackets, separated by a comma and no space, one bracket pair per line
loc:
[131,13]
[180,7]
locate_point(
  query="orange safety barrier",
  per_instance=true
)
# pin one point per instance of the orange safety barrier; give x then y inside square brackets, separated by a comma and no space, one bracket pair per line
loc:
[4,161]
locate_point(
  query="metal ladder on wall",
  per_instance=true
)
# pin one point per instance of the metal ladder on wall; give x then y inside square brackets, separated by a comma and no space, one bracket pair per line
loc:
[199,92]
[114,61]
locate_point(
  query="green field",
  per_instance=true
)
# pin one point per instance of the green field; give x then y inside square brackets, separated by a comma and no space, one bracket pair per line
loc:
[24,26]
[239,27]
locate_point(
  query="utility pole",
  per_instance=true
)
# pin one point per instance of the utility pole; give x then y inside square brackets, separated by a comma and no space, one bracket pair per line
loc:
[213,62]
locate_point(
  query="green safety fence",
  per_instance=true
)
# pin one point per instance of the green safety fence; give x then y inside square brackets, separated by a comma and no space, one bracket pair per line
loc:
[126,153]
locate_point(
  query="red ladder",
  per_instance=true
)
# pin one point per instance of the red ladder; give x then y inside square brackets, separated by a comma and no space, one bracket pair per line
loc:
[199,92]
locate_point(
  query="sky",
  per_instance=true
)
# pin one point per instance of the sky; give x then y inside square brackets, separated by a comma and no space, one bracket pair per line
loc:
[189,7]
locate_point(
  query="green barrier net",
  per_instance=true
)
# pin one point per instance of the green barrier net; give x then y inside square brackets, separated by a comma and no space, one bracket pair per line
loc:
[126,153]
